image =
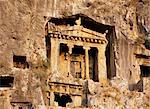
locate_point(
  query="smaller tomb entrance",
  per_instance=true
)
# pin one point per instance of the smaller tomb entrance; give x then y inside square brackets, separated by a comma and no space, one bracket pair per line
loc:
[64,93]
[145,72]
[20,62]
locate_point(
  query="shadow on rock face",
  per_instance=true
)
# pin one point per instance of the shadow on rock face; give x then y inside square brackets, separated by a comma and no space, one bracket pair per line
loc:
[147,44]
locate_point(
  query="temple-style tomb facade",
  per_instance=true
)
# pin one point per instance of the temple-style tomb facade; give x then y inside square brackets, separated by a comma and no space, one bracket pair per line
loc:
[75,47]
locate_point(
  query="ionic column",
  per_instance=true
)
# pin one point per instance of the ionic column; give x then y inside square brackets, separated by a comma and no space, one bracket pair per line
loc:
[54,54]
[87,61]
[69,56]
[102,70]
[82,68]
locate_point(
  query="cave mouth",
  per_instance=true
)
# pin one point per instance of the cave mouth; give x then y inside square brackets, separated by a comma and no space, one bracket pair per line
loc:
[62,99]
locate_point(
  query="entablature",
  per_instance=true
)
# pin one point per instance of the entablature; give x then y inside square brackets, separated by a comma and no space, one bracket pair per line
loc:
[66,88]
[100,40]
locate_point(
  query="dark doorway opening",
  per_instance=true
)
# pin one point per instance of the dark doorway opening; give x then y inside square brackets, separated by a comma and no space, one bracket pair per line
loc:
[63,48]
[62,99]
[6,81]
[78,50]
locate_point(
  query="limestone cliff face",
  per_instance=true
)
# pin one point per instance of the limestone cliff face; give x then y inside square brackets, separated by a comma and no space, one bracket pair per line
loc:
[22,32]
[143,20]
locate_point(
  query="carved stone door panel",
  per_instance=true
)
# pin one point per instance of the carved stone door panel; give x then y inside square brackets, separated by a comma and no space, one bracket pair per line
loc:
[75,69]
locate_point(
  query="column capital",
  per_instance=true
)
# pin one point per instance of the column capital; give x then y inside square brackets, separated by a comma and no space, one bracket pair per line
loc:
[70,46]
[86,47]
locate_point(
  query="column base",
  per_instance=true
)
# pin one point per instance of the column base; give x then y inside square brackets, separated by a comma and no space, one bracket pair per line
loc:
[103,81]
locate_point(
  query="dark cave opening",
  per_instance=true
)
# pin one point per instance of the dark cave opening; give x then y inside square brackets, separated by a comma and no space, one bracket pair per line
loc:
[62,99]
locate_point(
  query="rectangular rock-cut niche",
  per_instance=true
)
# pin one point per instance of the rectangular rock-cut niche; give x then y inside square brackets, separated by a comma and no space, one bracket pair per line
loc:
[6,81]
[145,71]
[20,62]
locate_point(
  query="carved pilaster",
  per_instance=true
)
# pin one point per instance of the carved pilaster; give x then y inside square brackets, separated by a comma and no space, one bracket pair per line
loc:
[102,70]
[54,53]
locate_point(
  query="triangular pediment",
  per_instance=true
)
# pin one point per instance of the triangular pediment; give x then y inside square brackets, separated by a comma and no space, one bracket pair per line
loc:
[86,22]
[79,25]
